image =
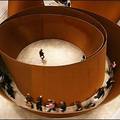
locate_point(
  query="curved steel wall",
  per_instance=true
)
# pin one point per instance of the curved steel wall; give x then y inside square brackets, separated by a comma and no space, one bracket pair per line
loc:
[86,76]
[113,32]
[34,27]
[109,9]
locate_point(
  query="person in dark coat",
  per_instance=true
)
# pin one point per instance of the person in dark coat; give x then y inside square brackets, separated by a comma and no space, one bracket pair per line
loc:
[65,2]
[39,103]
[83,57]
[7,79]
[109,83]
[79,106]
[63,106]
[89,105]
[41,53]
[69,4]
[29,100]
[100,93]
[10,91]
[2,81]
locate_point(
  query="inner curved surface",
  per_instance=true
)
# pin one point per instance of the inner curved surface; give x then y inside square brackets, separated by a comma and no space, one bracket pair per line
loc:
[73,30]
[28,29]
[111,37]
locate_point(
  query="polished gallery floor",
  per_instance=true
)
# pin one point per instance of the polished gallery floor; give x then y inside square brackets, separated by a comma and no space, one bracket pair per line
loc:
[9,110]
[57,52]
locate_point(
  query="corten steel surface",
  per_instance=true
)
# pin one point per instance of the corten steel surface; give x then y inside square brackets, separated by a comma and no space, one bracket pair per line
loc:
[113,32]
[16,6]
[36,79]
[64,10]
[108,8]
[113,48]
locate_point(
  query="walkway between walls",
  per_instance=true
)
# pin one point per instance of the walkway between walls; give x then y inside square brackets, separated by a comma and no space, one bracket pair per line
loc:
[21,101]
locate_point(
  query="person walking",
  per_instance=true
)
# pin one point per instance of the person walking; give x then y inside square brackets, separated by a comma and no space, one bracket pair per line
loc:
[109,83]
[100,93]
[89,105]
[41,53]
[10,91]
[78,105]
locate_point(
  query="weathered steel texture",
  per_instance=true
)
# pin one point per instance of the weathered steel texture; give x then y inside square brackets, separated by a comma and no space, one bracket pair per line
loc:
[113,34]
[109,8]
[36,80]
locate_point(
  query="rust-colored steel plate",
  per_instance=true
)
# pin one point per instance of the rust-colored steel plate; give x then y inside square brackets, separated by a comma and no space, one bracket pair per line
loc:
[107,8]
[113,35]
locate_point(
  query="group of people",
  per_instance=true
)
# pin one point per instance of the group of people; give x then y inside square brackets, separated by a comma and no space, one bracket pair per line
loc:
[50,105]
[111,71]
[41,53]
[109,83]
[6,84]
[65,2]
[42,56]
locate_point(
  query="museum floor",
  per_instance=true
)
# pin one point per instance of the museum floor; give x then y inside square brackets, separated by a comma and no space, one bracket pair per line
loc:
[9,110]
[57,52]
[110,110]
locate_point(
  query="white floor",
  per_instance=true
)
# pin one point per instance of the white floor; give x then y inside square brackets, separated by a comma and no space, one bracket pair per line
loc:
[9,110]
[57,52]
[20,100]
[108,111]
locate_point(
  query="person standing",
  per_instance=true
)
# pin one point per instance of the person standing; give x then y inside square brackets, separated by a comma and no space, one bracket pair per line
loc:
[2,81]
[7,79]
[63,106]
[83,58]
[109,83]
[10,90]
[89,105]
[78,105]
[100,93]
[39,103]
[29,100]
